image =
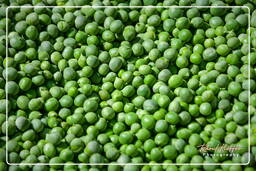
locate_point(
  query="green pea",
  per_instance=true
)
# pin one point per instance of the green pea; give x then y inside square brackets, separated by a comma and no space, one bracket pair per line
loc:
[205,108]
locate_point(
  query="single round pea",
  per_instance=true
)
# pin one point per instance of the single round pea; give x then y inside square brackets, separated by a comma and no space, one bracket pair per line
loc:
[205,108]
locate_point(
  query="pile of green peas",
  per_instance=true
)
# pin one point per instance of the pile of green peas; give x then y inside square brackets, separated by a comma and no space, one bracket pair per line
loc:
[127,85]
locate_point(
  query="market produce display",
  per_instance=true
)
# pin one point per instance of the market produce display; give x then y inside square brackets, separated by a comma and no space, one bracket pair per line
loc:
[127,85]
